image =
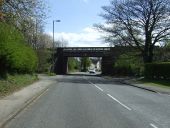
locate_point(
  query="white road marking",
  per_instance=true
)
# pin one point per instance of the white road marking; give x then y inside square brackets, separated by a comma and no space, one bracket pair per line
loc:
[91,83]
[111,97]
[96,86]
[119,102]
[153,125]
[99,88]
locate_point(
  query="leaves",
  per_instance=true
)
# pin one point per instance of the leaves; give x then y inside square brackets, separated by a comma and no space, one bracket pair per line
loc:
[15,55]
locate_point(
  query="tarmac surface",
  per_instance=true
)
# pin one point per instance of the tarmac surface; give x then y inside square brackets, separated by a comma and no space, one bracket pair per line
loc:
[79,101]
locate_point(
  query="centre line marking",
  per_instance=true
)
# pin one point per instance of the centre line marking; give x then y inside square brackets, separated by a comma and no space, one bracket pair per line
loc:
[96,86]
[119,102]
[153,126]
[99,88]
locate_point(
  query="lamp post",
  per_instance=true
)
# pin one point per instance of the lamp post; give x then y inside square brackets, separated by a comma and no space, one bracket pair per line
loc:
[54,45]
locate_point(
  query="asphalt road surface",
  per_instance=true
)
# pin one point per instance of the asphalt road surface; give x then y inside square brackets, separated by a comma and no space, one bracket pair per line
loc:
[94,102]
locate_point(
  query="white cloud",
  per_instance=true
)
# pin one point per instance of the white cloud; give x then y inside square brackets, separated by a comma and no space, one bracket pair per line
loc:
[89,37]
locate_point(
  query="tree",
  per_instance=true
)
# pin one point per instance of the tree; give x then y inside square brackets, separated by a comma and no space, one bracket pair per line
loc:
[61,43]
[17,11]
[25,15]
[73,64]
[44,42]
[85,63]
[15,55]
[140,24]
[129,64]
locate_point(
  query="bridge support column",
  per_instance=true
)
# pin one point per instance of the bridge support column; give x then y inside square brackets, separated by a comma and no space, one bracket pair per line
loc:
[107,65]
[60,66]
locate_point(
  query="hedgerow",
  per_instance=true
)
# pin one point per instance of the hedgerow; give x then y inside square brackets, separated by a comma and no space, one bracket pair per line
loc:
[157,70]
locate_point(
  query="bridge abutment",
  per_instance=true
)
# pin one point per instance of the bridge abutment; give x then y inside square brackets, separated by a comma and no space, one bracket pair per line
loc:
[61,61]
[107,65]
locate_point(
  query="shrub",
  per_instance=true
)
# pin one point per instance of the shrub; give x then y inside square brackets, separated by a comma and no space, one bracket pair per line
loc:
[128,65]
[44,55]
[157,70]
[15,55]
[122,71]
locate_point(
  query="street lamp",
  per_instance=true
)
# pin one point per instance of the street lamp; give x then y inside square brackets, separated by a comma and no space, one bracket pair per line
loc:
[54,44]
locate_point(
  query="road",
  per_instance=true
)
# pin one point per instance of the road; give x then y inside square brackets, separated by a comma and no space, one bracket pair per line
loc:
[94,102]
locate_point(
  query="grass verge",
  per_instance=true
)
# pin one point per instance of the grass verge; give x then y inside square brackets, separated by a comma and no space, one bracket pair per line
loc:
[15,82]
[51,74]
[158,83]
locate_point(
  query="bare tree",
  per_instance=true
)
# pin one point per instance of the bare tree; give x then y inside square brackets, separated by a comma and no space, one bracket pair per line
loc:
[25,15]
[61,43]
[17,11]
[137,23]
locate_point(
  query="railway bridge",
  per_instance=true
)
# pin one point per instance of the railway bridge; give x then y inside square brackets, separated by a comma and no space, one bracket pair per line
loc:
[108,55]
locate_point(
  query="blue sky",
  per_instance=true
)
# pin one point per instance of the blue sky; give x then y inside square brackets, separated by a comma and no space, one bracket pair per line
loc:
[77,18]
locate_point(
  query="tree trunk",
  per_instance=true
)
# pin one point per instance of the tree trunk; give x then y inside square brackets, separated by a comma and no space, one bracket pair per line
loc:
[148,48]
[148,55]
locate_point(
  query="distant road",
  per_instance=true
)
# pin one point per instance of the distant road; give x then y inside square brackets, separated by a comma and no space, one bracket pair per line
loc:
[93,102]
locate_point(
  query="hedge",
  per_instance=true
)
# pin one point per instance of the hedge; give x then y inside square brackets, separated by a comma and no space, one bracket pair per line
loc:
[157,70]
[15,55]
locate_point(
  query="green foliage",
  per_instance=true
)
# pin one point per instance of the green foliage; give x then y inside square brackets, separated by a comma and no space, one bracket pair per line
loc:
[128,64]
[44,55]
[51,74]
[157,70]
[155,82]
[15,55]
[73,64]
[85,63]
[15,82]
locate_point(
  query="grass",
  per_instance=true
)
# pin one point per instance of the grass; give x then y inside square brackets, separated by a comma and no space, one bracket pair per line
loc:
[158,83]
[51,74]
[15,82]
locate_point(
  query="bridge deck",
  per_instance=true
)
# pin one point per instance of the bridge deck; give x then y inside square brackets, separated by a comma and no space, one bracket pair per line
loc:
[86,51]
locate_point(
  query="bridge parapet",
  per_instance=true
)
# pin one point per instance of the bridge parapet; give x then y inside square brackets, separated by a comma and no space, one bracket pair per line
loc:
[86,51]
[89,49]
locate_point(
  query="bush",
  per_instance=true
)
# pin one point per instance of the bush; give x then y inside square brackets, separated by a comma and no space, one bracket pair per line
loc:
[73,64]
[15,55]
[44,64]
[128,65]
[122,71]
[157,70]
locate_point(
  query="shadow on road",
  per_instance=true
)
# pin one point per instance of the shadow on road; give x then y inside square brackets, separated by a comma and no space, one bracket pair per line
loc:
[88,78]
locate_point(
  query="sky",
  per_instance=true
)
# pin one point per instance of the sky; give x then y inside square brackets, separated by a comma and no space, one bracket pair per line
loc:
[77,20]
